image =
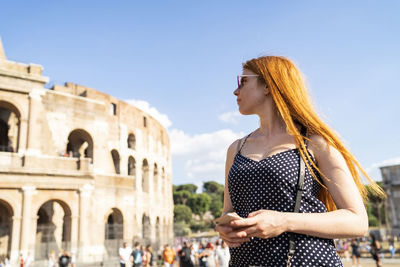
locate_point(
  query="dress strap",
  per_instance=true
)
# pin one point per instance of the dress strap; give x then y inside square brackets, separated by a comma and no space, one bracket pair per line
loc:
[241,146]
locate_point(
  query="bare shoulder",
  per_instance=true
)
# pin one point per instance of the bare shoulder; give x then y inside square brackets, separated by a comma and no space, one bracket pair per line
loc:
[324,153]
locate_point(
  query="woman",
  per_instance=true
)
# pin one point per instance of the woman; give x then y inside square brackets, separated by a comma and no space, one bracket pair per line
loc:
[355,251]
[376,250]
[262,173]
[149,255]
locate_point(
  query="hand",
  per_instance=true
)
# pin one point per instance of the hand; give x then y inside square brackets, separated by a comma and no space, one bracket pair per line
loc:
[231,236]
[261,223]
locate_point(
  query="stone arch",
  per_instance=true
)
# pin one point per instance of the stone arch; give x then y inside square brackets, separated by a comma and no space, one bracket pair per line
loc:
[132,166]
[132,141]
[145,176]
[116,161]
[146,229]
[10,120]
[155,177]
[80,144]
[53,228]
[114,231]
[6,215]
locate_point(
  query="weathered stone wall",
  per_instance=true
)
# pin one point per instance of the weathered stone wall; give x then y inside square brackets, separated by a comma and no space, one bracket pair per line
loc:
[62,162]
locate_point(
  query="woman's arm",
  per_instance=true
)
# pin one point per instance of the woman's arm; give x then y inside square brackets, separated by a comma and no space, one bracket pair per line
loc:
[349,220]
[231,238]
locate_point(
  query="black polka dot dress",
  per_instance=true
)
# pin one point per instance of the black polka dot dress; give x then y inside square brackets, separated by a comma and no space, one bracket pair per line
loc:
[270,184]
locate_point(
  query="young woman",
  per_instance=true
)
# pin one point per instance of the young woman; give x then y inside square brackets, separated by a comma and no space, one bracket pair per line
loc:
[262,173]
[376,250]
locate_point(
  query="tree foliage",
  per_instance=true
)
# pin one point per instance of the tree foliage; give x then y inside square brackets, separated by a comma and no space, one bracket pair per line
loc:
[199,203]
[189,187]
[182,213]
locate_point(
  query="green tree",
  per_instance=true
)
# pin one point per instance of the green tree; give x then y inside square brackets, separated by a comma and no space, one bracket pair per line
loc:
[199,203]
[189,187]
[213,188]
[181,197]
[182,213]
[216,206]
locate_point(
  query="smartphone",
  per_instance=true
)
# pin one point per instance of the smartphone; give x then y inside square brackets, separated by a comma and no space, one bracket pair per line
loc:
[226,219]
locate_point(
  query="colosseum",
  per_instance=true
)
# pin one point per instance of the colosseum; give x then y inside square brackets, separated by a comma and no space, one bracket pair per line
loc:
[79,170]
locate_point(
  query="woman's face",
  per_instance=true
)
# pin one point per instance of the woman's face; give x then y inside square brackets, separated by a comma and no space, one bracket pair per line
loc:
[251,94]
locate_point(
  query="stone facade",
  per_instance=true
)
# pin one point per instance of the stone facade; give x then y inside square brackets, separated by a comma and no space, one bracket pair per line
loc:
[391,184]
[79,169]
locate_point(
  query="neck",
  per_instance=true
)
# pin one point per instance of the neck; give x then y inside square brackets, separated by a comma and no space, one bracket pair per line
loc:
[271,123]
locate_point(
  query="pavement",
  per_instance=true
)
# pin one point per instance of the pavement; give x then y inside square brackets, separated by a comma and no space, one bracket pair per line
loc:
[369,262]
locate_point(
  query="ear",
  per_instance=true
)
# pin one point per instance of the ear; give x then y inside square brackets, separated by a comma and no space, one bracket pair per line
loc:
[266,90]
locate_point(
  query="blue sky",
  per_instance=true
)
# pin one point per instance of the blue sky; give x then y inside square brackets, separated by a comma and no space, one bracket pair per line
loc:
[182,58]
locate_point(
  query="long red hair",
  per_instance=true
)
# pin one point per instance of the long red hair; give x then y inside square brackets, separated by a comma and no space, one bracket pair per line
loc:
[294,105]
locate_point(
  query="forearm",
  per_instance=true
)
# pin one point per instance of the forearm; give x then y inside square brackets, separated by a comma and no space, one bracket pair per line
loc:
[341,223]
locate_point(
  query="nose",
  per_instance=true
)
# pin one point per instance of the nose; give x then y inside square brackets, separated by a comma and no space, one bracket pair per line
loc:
[236,92]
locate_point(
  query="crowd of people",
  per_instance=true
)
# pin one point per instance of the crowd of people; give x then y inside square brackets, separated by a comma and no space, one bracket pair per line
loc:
[355,248]
[187,255]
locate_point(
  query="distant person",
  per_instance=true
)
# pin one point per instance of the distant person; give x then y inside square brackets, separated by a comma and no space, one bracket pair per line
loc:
[149,251]
[29,260]
[222,254]
[64,260]
[185,255]
[392,248]
[376,250]
[355,251]
[168,256]
[263,170]
[124,254]
[52,261]
[136,256]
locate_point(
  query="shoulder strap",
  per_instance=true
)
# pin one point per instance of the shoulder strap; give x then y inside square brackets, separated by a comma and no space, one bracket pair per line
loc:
[244,141]
[299,189]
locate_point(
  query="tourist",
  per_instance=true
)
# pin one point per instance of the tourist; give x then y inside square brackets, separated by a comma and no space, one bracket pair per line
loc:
[185,255]
[124,254]
[355,251]
[222,255]
[136,256]
[375,250]
[64,260]
[52,261]
[264,167]
[168,256]
[149,251]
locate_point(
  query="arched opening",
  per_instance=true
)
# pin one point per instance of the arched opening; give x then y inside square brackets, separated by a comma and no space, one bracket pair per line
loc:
[114,232]
[6,214]
[132,167]
[80,144]
[145,176]
[155,177]
[146,230]
[115,158]
[9,127]
[131,141]
[53,230]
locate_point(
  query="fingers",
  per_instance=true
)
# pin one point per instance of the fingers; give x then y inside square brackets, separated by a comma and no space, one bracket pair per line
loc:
[244,222]
[254,213]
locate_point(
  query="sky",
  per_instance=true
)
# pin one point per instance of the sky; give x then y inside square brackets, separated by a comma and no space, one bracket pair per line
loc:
[178,60]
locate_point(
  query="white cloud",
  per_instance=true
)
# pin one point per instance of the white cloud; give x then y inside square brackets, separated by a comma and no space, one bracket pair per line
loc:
[145,106]
[203,154]
[230,117]
[373,170]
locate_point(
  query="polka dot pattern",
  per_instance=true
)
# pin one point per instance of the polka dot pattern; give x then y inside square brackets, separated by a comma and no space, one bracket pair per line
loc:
[271,184]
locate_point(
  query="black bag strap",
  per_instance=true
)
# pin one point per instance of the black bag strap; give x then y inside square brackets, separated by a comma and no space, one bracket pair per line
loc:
[299,189]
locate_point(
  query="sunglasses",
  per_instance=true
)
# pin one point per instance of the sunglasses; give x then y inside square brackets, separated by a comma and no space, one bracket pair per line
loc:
[240,79]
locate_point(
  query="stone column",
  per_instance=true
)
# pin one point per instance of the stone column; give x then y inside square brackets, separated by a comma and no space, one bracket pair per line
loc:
[35,108]
[27,230]
[15,238]
[84,211]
